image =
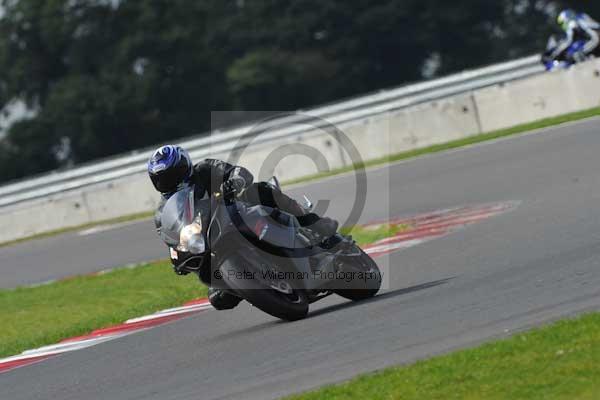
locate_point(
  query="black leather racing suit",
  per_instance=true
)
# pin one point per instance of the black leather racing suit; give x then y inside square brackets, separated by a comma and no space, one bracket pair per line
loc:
[209,175]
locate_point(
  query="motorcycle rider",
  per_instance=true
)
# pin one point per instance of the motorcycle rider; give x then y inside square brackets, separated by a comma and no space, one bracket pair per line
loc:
[577,26]
[170,168]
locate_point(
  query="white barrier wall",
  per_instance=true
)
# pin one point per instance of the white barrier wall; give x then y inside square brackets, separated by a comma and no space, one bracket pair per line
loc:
[376,136]
[43,215]
[411,128]
[95,203]
[539,97]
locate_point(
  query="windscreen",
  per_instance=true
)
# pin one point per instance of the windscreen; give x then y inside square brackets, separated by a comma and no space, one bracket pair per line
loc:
[177,213]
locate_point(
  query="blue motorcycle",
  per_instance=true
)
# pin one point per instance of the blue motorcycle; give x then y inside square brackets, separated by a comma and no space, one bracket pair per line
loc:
[563,60]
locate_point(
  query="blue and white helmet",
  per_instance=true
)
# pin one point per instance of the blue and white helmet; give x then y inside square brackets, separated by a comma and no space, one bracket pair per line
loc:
[169,167]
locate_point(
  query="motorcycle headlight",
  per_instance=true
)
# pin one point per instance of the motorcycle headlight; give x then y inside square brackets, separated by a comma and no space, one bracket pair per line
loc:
[191,239]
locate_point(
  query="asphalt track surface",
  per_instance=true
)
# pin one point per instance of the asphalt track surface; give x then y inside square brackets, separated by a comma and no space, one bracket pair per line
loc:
[534,264]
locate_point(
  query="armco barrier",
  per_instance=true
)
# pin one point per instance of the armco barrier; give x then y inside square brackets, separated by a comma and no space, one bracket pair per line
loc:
[393,128]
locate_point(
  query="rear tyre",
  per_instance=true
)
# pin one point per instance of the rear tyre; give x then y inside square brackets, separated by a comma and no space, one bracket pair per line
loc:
[366,288]
[288,307]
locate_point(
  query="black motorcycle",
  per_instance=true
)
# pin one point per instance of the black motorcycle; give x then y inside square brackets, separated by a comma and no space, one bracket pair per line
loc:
[262,254]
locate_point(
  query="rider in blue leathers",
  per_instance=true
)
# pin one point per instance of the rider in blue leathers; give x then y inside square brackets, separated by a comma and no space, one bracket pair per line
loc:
[577,27]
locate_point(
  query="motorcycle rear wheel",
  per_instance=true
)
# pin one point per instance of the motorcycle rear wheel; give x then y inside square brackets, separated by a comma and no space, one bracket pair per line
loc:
[369,287]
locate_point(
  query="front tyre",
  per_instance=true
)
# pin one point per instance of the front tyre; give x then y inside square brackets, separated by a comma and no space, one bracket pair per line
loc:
[288,307]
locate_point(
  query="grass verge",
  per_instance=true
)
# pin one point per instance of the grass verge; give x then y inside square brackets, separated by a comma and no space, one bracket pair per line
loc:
[544,123]
[557,362]
[369,234]
[37,316]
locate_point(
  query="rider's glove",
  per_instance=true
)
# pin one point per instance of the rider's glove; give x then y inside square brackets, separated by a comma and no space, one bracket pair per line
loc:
[233,186]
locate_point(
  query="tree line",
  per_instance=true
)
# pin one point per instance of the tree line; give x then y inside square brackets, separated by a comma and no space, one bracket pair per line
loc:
[108,76]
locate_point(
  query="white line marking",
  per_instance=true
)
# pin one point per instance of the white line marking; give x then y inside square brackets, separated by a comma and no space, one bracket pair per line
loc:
[104,228]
